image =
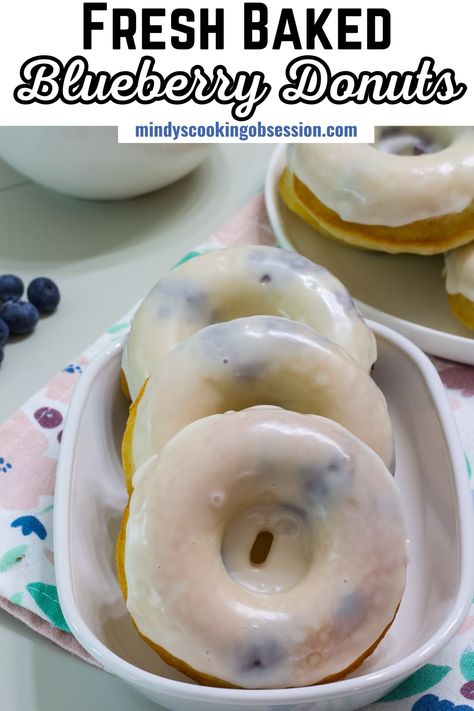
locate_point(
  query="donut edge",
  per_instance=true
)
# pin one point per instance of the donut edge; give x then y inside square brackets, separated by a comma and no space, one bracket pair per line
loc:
[463,309]
[166,656]
[124,385]
[413,238]
[128,464]
[200,677]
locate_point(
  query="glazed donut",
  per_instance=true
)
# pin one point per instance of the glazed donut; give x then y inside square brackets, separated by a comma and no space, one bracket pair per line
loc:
[411,191]
[283,568]
[259,360]
[459,272]
[241,281]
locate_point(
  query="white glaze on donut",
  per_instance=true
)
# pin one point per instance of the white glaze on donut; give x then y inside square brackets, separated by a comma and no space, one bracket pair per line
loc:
[313,607]
[459,271]
[242,281]
[259,360]
[369,186]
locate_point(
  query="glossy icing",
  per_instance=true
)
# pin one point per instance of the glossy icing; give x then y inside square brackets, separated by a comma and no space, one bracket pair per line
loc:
[242,281]
[334,574]
[415,174]
[263,360]
[459,271]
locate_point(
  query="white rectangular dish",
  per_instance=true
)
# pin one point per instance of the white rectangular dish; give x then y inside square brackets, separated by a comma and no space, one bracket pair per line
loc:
[431,474]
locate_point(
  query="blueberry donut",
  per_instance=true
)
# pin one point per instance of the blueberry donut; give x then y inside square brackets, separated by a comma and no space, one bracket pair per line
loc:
[241,281]
[410,191]
[283,568]
[259,360]
[459,273]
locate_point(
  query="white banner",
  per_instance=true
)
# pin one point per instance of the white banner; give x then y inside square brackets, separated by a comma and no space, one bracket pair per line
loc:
[237,71]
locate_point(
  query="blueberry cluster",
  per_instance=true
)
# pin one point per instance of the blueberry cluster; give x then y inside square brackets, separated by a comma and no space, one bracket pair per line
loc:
[17,317]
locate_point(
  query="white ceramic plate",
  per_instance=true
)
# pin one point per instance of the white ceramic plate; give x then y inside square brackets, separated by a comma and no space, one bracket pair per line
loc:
[405,291]
[431,473]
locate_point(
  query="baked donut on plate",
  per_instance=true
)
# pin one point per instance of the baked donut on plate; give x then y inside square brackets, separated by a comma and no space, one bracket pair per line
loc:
[282,568]
[459,273]
[259,360]
[410,191]
[241,281]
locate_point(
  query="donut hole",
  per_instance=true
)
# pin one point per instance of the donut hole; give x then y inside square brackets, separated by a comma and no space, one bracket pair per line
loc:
[268,548]
[410,140]
[261,547]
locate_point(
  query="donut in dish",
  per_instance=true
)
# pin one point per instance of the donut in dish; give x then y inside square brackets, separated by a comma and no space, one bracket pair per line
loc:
[263,549]
[235,282]
[259,360]
[459,273]
[410,191]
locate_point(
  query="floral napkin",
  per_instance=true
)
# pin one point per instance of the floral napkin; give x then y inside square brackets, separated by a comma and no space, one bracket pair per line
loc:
[29,446]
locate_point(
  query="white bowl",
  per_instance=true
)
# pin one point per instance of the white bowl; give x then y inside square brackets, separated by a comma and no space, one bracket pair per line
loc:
[87,162]
[431,473]
[403,291]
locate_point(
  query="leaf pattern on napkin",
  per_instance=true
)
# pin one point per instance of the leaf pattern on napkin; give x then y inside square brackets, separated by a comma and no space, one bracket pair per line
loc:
[17,598]
[29,525]
[420,681]
[466,664]
[430,702]
[12,557]
[46,597]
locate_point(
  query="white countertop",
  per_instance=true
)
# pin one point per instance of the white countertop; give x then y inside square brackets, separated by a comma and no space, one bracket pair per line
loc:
[104,257]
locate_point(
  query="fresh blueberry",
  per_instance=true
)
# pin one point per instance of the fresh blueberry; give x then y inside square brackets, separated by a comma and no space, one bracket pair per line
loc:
[44,294]
[4,332]
[11,287]
[20,316]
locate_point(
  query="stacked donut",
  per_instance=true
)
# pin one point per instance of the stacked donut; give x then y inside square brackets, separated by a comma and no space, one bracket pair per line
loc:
[263,545]
[411,191]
